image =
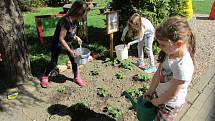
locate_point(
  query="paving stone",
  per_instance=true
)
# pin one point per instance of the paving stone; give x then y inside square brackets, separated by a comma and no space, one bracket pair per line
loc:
[206,108]
[183,111]
[200,86]
[192,95]
[204,79]
[211,84]
[199,119]
[212,80]
[209,89]
[203,97]
[210,118]
[198,104]
[186,118]
[212,112]
[190,115]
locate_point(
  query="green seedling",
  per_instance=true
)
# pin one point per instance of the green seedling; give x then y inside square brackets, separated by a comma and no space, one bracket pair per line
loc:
[120,76]
[143,77]
[81,105]
[126,64]
[102,92]
[114,111]
[61,89]
[135,92]
[111,61]
[94,72]
[145,87]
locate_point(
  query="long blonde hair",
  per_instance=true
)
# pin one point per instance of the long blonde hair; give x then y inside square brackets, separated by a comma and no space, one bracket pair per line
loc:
[135,27]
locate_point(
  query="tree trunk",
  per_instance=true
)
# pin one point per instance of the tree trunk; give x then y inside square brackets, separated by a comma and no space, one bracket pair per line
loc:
[16,64]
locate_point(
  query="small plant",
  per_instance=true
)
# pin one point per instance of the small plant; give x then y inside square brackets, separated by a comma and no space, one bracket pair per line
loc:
[111,61]
[61,89]
[81,105]
[114,111]
[143,77]
[94,72]
[145,87]
[135,92]
[102,92]
[126,64]
[120,76]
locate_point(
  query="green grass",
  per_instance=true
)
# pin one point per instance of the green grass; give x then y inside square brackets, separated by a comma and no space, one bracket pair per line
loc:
[202,6]
[29,19]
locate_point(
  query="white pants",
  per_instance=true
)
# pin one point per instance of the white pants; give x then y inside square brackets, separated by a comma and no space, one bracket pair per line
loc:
[148,42]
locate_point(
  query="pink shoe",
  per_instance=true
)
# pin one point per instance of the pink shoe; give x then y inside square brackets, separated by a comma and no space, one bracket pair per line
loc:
[80,82]
[44,82]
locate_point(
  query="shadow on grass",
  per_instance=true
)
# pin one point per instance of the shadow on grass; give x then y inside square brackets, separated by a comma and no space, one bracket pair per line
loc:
[77,112]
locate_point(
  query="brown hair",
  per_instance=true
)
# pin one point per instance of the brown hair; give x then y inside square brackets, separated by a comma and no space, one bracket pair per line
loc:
[173,29]
[78,9]
[134,25]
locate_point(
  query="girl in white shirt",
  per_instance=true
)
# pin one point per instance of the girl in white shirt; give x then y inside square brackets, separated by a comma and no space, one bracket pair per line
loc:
[171,81]
[142,32]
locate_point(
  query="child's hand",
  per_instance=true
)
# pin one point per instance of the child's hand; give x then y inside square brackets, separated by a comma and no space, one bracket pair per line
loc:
[78,40]
[155,102]
[148,95]
[129,45]
[73,53]
[122,38]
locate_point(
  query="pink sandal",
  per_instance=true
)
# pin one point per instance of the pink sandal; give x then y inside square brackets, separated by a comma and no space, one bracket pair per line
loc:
[80,82]
[44,81]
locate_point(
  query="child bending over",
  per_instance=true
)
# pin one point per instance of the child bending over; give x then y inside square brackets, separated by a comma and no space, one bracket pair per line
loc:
[142,31]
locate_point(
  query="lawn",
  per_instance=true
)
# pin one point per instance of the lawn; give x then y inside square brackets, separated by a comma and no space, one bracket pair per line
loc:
[202,6]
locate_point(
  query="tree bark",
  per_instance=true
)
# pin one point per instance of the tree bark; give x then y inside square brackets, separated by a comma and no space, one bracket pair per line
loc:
[13,46]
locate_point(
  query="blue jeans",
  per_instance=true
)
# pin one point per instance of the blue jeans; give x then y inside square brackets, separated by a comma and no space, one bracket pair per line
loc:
[148,42]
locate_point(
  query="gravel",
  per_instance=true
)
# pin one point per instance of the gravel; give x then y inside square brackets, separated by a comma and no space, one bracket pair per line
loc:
[204,31]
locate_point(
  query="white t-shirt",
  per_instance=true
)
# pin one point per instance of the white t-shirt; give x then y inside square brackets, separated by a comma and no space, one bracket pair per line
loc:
[179,69]
[149,30]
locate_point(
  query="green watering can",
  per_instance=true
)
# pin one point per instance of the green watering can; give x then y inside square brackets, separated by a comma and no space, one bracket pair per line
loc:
[146,111]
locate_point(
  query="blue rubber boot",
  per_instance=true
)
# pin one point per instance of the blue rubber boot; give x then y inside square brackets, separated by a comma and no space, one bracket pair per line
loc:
[140,63]
[151,69]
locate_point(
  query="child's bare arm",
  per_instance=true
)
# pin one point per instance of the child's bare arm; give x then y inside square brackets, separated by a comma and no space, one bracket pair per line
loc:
[78,39]
[124,33]
[0,57]
[154,83]
[171,93]
[63,41]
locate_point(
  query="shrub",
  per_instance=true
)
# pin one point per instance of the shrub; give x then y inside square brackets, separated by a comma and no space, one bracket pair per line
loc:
[154,10]
[28,5]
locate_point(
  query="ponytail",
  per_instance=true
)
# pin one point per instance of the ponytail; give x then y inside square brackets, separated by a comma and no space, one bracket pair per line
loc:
[192,46]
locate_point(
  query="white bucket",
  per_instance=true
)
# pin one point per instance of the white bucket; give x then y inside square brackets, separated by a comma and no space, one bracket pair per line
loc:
[121,52]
